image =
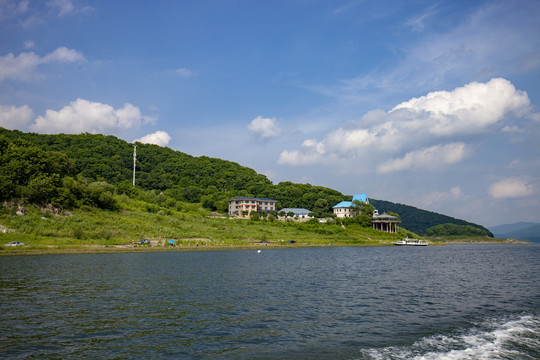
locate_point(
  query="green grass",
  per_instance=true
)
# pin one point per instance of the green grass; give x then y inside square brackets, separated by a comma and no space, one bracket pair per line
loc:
[192,225]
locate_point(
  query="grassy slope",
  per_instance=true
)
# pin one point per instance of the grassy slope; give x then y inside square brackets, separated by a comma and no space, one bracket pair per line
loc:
[93,230]
[89,227]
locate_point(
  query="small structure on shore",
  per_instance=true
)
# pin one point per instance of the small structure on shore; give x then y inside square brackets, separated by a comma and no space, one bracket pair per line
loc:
[298,213]
[385,222]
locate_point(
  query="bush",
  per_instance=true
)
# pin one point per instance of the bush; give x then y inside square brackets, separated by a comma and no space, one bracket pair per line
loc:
[453,229]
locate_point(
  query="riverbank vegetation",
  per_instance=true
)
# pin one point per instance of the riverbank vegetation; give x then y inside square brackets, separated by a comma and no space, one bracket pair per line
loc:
[189,225]
[76,191]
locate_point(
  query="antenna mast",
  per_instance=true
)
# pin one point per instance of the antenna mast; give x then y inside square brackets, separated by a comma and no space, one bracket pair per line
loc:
[134,162]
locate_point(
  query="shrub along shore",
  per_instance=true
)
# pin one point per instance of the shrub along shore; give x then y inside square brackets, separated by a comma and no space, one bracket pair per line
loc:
[92,230]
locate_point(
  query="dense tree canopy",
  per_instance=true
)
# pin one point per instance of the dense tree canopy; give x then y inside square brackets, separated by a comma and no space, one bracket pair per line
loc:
[454,229]
[31,174]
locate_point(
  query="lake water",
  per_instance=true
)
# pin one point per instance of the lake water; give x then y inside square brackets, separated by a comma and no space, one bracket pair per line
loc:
[435,302]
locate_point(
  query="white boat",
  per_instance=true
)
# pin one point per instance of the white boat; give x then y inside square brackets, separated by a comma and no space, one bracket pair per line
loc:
[411,242]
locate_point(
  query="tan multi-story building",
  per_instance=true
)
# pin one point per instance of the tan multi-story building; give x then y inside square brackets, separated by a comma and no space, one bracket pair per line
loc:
[243,206]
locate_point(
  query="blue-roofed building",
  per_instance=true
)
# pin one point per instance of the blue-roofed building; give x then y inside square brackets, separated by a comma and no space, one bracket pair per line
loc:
[299,213]
[243,206]
[361,197]
[345,208]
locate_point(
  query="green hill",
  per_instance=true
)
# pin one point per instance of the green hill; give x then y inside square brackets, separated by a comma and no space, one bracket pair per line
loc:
[417,220]
[90,169]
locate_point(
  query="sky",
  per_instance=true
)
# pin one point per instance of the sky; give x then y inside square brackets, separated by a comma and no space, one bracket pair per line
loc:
[434,104]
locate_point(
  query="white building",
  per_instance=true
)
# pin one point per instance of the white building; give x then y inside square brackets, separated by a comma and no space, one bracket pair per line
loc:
[345,208]
[299,213]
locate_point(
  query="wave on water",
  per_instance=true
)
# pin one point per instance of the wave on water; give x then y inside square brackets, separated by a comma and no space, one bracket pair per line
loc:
[517,338]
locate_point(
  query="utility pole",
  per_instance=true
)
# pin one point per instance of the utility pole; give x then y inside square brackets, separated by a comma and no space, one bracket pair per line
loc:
[134,162]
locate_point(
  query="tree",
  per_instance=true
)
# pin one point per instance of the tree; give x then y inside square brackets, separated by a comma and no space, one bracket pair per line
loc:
[254,216]
[100,194]
[321,207]
[42,188]
[356,207]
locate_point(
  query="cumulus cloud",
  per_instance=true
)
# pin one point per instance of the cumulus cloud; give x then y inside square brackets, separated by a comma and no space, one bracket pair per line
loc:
[160,138]
[426,132]
[12,117]
[63,54]
[86,116]
[312,152]
[429,158]
[469,109]
[23,66]
[510,188]
[264,128]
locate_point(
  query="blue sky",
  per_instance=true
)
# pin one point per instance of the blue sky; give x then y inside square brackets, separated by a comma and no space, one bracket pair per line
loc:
[430,104]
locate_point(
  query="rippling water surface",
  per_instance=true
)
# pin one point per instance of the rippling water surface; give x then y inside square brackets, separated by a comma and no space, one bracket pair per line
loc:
[452,302]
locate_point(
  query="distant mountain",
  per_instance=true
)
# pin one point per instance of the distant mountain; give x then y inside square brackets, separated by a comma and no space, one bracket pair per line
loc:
[526,231]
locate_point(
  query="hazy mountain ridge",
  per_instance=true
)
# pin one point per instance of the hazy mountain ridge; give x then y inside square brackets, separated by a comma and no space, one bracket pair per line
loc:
[526,231]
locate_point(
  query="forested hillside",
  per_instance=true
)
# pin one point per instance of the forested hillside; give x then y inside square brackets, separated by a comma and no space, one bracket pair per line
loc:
[417,220]
[88,169]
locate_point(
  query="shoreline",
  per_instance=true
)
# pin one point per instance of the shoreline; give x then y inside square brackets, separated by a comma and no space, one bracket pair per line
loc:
[111,249]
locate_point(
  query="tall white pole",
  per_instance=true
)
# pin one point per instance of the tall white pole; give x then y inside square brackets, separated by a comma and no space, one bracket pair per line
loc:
[134,162]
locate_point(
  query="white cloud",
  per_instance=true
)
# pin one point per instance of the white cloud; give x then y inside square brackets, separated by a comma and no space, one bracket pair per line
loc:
[417,23]
[12,117]
[470,108]
[10,8]
[426,132]
[429,158]
[22,67]
[511,188]
[66,7]
[160,138]
[63,7]
[63,54]
[264,128]
[438,197]
[512,129]
[86,116]
[298,158]
[184,72]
